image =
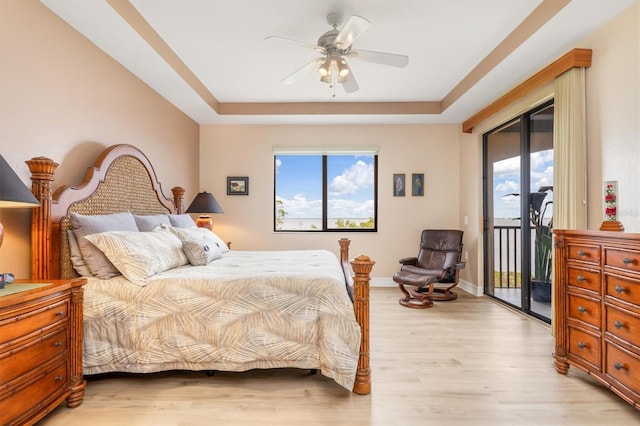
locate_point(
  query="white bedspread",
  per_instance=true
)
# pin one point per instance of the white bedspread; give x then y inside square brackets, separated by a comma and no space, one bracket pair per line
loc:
[248,310]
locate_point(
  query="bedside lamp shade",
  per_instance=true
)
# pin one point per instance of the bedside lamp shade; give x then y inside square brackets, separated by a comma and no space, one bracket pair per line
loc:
[13,194]
[204,203]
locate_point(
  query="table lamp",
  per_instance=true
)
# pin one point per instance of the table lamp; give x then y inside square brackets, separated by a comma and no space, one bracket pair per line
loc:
[204,203]
[13,194]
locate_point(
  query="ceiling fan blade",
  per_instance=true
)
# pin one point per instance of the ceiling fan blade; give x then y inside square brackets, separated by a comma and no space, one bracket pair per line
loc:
[302,70]
[350,85]
[354,27]
[299,43]
[383,58]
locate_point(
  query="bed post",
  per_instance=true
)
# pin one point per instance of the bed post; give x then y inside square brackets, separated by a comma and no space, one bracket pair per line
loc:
[178,194]
[42,170]
[361,266]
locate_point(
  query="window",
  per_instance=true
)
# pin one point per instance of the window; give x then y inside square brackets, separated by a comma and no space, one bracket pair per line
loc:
[325,192]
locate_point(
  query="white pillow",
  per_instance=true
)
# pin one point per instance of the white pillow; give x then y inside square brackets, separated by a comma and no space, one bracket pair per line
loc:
[200,234]
[82,225]
[139,255]
[200,253]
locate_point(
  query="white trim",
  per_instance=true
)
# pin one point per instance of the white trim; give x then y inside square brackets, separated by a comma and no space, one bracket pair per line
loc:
[467,286]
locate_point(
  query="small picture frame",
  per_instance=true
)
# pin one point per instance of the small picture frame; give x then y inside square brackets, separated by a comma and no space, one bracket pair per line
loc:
[398,185]
[417,184]
[237,185]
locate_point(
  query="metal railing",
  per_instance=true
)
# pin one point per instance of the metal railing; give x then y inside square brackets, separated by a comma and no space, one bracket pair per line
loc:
[506,240]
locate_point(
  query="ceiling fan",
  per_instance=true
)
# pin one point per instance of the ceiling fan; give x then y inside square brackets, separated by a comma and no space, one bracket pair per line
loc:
[335,46]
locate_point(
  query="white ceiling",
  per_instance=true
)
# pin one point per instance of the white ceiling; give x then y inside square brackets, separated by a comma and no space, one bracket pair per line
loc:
[205,55]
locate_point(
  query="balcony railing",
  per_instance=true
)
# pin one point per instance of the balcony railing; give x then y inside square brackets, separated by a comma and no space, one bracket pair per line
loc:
[506,256]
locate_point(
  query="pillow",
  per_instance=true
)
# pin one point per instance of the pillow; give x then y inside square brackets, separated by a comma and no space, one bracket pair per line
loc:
[200,234]
[182,220]
[200,253]
[77,261]
[148,223]
[139,255]
[83,225]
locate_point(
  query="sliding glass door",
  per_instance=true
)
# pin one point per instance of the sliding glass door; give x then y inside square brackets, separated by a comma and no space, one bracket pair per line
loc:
[518,159]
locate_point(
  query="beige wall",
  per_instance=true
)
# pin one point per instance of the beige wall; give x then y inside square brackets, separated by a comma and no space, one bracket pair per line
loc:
[63,98]
[613,134]
[248,151]
[613,117]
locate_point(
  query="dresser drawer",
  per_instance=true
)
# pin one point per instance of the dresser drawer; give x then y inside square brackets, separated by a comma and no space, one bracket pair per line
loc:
[585,310]
[623,259]
[623,366]
[584,253]
[623,324]
[584,278]
[22,325]
[23,359]
[625,290]
[585,346]
[26,399]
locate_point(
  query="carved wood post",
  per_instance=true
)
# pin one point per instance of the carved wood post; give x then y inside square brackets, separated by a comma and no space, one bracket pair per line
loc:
[42,170]
[559,286]
[178,194]
[76,380]
[362,266]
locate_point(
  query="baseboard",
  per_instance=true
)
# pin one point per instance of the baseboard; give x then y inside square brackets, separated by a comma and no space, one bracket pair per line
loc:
[467,286]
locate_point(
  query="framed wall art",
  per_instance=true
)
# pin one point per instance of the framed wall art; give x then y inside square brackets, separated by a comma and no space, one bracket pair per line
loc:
[237,185]
[398,185]
[417,184]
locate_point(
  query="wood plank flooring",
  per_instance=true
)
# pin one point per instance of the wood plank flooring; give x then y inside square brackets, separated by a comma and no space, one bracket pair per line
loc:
[465,362]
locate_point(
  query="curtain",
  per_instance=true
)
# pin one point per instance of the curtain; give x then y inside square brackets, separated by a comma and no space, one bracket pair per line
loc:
[570,151]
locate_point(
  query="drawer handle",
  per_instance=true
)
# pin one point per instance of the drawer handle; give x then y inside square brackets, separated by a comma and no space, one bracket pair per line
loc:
[618,366]
[581,279]
[582,309]
[619,289]
[581,253]
[58,378]
[627,261]
[582,345]
[59,313]
[617,324]
[57,344]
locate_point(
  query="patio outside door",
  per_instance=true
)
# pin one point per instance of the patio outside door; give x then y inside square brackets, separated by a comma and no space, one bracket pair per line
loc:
[518,159]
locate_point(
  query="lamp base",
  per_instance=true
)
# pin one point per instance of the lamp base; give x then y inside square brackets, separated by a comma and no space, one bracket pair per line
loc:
[204,222]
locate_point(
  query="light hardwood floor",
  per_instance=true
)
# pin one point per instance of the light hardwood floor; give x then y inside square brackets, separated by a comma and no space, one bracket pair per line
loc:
[466,362]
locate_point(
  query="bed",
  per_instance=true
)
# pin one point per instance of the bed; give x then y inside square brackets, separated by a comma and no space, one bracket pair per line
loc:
[243,310]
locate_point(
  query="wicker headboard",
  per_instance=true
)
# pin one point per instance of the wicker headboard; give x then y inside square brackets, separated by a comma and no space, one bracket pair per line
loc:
[121,179]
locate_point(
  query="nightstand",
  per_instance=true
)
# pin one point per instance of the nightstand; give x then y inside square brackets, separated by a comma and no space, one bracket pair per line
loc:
[40,348]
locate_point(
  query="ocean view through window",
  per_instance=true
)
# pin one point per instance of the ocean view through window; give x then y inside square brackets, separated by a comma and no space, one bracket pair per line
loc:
[325,192]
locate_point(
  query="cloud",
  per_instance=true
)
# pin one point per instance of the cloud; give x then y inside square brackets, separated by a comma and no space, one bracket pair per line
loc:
[359,175]
[508,186]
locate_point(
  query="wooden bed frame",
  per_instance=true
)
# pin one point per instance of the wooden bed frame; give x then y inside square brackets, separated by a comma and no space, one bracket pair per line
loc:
[122,179]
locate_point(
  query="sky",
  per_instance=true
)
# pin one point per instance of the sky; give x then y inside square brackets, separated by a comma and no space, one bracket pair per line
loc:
[351,185]
[506,180]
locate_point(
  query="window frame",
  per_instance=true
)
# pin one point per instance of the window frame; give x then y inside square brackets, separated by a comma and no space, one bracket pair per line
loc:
[325,191]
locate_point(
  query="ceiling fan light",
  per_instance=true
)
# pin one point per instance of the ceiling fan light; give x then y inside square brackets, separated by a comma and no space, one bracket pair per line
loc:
[325,68]
[343,68]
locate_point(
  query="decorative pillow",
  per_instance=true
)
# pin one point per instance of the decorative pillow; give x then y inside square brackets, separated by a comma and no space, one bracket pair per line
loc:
[200,234]
[200,253]
[148,223]
[77,261]
[83,225]
[139,255]
[182,220]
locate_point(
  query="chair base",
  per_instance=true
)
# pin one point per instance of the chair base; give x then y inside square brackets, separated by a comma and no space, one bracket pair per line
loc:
[416,303]
[439,294]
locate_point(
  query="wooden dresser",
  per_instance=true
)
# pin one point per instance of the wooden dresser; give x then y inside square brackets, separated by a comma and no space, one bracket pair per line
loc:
[597,309]
[40,349]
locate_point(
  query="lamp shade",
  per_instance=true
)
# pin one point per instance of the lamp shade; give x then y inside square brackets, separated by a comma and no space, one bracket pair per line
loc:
[13,192]
[204,202]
